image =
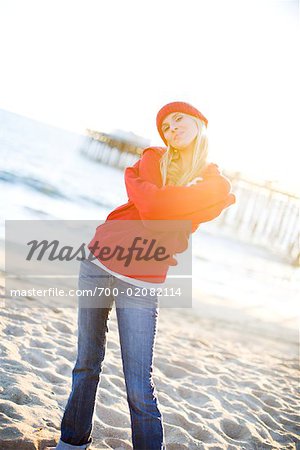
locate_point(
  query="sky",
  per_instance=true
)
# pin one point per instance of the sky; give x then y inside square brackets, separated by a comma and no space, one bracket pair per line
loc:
[112,64]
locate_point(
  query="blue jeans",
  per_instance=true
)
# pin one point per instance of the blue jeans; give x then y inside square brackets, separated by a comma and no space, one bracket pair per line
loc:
[137,322]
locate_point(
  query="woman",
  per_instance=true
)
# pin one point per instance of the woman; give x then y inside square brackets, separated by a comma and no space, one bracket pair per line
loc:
[171,185]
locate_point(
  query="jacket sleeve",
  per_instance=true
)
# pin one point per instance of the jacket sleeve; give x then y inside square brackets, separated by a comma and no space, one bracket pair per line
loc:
[212,212]
[174,202]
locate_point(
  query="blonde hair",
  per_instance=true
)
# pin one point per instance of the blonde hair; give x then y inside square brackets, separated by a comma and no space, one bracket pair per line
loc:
[169,167]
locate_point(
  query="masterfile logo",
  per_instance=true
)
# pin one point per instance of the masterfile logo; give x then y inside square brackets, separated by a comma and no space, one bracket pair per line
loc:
[44,258]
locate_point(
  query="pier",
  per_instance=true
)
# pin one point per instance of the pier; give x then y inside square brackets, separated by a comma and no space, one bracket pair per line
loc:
[265,216]
[118,150]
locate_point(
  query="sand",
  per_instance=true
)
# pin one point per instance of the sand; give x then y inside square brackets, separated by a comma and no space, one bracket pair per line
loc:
[219,385]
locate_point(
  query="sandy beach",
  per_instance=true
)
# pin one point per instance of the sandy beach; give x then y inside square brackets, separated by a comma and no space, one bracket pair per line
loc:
[220,385]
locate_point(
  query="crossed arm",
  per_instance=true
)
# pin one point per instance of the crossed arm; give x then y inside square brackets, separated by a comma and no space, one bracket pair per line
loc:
[199,202]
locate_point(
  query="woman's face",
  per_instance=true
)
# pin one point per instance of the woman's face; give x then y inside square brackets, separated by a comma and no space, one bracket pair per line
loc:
[179,130]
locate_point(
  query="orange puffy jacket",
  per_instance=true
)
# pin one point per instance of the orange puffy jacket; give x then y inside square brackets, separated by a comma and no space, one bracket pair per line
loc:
[166,214]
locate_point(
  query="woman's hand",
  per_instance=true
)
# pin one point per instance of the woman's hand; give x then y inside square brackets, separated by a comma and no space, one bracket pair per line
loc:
[210,170]
[194,181]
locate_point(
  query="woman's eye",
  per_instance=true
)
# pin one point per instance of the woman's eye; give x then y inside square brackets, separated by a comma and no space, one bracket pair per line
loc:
[165,129]
[178,118]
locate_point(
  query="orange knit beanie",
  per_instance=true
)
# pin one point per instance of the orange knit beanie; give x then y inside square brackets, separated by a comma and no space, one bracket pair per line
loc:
[176,107]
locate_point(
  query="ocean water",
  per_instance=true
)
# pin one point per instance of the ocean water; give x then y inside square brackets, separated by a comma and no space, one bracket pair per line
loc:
[43,175]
